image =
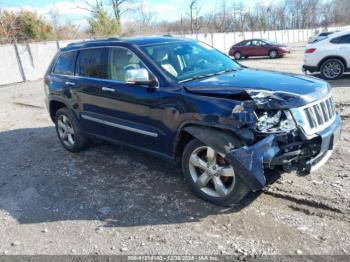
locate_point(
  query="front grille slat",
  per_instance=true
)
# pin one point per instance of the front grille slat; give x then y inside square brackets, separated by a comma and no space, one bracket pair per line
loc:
[325,111]
[316,116]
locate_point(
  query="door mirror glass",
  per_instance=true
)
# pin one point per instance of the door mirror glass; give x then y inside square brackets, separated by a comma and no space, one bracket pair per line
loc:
[138,76]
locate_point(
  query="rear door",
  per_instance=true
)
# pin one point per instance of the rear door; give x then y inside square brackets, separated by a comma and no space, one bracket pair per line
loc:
[247,48]
[62,79]
[343,46]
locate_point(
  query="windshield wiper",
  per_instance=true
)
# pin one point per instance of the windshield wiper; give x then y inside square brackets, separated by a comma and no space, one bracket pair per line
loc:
[209,75]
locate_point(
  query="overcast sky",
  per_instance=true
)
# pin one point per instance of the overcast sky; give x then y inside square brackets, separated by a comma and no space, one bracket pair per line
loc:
[168,10]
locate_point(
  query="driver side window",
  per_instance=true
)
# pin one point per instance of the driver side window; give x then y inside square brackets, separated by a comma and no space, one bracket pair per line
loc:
[120,60]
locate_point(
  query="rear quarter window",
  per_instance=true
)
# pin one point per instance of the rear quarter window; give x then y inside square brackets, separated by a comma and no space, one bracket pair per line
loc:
[65,63]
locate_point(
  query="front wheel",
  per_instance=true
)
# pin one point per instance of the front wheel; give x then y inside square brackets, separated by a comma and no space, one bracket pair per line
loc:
[209,175]
[273,54]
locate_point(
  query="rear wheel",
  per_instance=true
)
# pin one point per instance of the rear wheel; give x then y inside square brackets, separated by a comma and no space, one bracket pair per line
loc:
[273,54]
[238,55]
[69,131]
[210,176]
[332,69]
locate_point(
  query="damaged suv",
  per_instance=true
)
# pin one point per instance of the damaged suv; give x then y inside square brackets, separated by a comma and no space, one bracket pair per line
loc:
[188,103]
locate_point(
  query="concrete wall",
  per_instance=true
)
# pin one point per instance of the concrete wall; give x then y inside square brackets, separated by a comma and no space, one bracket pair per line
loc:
[223,41]
[28,62]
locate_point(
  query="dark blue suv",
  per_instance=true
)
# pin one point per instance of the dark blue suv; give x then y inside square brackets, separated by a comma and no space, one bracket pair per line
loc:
[188,103]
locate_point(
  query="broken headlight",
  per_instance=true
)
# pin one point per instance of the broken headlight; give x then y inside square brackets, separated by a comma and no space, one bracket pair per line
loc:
[275,121]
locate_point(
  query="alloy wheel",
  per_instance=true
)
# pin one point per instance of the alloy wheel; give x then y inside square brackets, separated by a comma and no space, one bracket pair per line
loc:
[332,69]
[211,173]
[238,56]
[66,131]
[273,54]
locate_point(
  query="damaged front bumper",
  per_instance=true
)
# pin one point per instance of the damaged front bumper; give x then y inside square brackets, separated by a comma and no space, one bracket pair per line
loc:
[250,161]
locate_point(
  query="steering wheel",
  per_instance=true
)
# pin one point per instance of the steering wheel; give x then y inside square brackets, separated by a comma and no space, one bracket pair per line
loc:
[131,66]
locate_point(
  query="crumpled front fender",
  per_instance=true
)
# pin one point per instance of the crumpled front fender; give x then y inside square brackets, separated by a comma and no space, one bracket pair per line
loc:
[248,162]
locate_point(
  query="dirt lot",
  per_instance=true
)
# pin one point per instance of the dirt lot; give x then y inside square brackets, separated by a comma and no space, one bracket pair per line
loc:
[113,200]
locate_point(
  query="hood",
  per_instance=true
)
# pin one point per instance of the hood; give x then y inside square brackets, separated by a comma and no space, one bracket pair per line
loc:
[267,89]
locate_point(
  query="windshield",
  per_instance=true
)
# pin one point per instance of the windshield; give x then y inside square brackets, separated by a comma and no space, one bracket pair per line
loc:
[184,61]
[270,42]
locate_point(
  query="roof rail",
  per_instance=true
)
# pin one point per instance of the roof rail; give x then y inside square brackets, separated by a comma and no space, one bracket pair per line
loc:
[93,40]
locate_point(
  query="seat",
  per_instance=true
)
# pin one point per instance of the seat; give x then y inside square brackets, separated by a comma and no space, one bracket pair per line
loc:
[161,57]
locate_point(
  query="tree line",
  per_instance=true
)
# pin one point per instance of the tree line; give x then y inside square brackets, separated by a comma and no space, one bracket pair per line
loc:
[107,18]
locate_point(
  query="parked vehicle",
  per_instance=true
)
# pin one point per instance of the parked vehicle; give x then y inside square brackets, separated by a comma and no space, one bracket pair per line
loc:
[320,36]
[258,47]
[190,104]
[330,56]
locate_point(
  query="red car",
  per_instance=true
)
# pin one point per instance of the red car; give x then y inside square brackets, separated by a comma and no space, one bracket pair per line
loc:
[258,47]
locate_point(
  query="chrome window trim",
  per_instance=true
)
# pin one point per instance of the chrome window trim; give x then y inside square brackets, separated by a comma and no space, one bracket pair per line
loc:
[127,128]
[103,79]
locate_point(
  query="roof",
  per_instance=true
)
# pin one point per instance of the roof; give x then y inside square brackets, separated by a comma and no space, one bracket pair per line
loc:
[139,41]
[341,33]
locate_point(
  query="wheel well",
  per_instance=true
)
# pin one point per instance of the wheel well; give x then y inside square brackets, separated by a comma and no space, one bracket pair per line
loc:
[54,107]
[183,140]
[333,57]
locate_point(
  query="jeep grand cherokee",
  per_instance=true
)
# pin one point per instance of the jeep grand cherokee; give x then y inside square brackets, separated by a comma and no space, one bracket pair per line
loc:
[188,103]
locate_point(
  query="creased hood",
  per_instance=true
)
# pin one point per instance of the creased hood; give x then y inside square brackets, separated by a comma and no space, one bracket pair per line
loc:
[267,89]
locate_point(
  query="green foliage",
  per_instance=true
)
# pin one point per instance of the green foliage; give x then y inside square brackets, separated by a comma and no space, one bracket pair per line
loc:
[24,25]
[101,24]
[34,27]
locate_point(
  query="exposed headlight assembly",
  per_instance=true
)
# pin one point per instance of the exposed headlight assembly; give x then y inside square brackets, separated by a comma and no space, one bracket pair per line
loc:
[275,121]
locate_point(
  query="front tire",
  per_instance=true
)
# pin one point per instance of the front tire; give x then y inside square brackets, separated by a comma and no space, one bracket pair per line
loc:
[69,131]
[332,69]
[210,176]
[273,54]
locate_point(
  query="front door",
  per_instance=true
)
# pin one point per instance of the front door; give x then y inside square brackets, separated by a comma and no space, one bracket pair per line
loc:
[116,109]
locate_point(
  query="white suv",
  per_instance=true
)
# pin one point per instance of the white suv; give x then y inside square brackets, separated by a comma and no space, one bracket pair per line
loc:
[330,56]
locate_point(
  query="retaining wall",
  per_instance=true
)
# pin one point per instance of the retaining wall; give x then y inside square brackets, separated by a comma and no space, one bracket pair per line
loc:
[29,61]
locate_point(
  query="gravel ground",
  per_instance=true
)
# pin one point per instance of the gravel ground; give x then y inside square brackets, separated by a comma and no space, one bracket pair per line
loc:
[114,200]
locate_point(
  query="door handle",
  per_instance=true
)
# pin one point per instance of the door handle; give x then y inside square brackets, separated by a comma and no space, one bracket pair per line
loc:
[68,83]
[107,89]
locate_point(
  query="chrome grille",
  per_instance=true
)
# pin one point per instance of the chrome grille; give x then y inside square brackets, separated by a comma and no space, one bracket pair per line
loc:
[317,116]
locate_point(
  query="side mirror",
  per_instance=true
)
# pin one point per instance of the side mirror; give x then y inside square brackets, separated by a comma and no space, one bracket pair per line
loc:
[139,76]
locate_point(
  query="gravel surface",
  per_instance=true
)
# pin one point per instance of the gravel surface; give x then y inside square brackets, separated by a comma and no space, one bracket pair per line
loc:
[114,200]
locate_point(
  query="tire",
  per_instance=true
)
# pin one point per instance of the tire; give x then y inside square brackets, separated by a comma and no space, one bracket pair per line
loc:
[238,55]
[332,69]
[273,54]
[234,188]
[69,131]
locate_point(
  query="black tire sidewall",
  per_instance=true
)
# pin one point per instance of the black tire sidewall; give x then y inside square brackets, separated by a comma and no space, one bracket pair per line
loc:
[332,60]
[80,140]
[239,191]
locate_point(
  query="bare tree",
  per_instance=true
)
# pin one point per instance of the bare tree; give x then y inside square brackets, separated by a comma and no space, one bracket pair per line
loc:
[55,18]
[193,14]
[222,18]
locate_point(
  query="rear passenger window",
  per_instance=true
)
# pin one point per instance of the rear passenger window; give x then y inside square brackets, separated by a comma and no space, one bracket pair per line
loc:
[91,63]
[341,40]
[65,64]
